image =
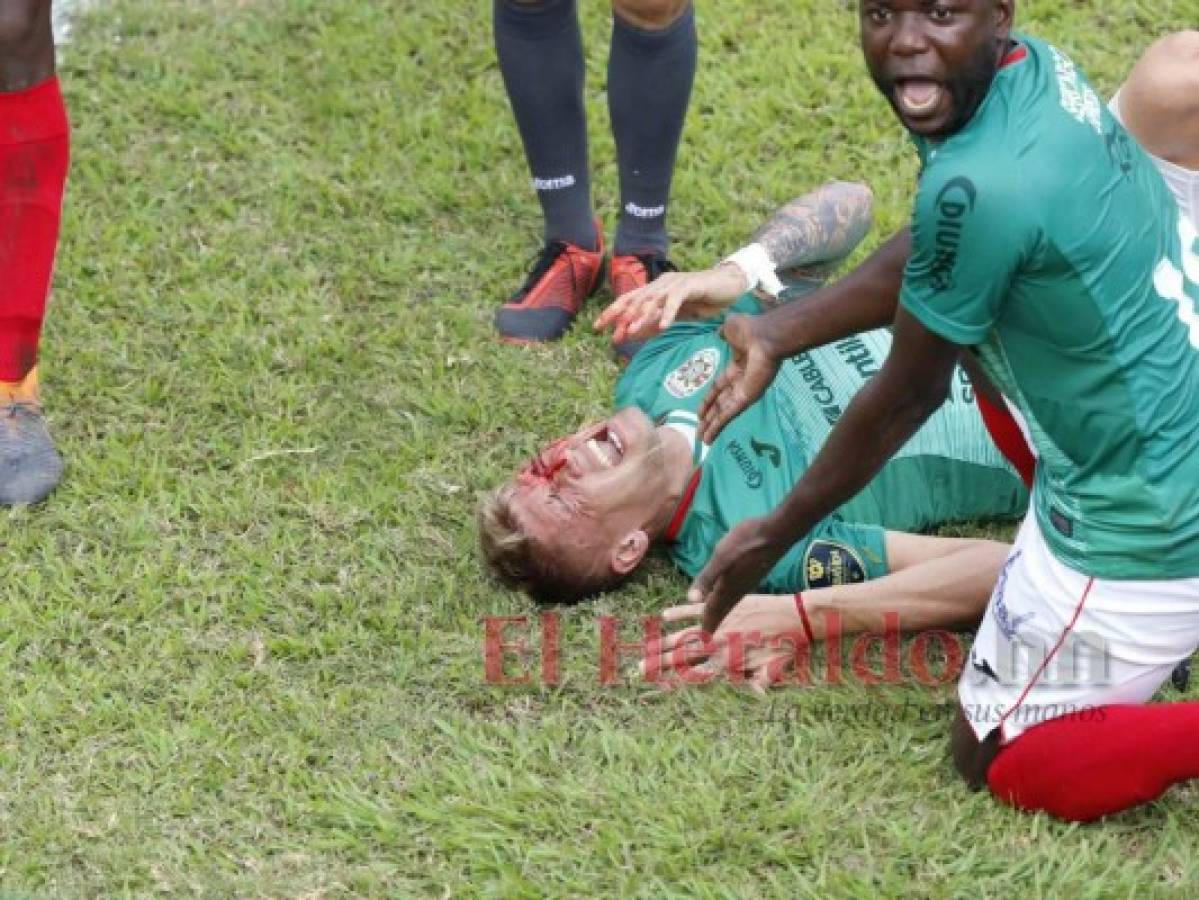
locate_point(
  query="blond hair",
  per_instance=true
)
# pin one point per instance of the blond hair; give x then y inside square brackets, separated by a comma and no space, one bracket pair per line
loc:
[519,561]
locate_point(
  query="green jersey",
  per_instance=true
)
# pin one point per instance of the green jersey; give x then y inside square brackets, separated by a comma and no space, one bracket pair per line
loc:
[949,470]
[1045,238]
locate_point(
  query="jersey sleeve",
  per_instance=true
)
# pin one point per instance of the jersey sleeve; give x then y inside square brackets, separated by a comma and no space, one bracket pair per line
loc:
[970,234]
[834,553]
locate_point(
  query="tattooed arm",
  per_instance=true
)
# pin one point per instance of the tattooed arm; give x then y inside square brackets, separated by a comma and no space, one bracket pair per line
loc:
[808,237]
[804,241]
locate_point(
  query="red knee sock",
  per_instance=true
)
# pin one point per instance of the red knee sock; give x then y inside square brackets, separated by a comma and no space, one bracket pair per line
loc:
[1100,761]
[33,171]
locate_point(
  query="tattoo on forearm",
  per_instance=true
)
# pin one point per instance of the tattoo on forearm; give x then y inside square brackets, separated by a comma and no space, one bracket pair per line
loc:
[812,233]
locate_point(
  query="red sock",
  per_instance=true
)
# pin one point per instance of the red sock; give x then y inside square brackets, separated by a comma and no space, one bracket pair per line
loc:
[33,170]
[1097,762]
[1008,437]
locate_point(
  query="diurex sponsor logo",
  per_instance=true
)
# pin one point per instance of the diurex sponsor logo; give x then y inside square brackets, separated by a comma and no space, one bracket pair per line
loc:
[954,202]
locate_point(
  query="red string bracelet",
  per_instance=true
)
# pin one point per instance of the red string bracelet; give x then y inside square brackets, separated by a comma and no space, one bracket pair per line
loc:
[803,617]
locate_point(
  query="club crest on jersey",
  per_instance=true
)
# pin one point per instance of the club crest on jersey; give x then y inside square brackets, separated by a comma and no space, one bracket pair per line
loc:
[693,374]
[828,563]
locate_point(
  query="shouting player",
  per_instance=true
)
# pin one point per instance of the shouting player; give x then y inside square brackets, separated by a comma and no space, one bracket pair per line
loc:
[651,66]
[582,516]
[1043,240]
[33,170]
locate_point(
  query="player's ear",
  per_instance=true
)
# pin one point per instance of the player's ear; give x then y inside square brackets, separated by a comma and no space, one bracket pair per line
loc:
[629,552]
[1004,12]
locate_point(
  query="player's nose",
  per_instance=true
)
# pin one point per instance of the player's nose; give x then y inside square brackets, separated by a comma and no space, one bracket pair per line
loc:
[908,35]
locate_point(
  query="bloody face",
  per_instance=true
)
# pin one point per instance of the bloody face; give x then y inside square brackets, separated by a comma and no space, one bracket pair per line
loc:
[581,493]
[934,60]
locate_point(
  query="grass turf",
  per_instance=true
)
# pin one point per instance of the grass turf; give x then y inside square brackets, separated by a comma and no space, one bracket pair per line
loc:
[242,643]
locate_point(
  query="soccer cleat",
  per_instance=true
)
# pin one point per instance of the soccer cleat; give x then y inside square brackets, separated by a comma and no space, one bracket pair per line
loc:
[629,273]
[30,467]
[563,276]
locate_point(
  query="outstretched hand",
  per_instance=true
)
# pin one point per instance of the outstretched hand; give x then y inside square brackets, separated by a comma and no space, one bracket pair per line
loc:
[758,642]
[642,313]
[752,369]
[738,565]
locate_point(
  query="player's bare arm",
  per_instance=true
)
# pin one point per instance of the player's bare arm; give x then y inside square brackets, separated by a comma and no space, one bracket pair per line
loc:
[807,237]
[912,384]
[934,582]
[804,240]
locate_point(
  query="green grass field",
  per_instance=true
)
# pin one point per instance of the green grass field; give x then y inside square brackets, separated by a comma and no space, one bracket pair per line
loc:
[242,645]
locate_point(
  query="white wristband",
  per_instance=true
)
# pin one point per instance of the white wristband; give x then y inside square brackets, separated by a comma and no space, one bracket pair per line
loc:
[755,262]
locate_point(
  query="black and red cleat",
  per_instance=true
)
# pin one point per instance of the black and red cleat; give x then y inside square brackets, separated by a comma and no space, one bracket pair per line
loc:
[629,273]
[544,308]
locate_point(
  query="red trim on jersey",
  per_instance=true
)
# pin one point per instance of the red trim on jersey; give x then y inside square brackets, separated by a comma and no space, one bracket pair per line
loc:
[1015,55]
[1008,437]
[1048,657]
[676,521]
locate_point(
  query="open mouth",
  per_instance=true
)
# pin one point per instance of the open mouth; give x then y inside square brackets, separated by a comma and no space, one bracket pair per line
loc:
[606,447]
[918,98]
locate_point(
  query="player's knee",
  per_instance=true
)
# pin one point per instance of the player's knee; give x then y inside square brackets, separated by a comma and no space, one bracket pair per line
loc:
[1171,66]
[1180,47]
[1160,100]
[651,15]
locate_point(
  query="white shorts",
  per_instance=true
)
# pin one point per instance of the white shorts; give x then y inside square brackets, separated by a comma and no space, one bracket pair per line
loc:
[1055,642]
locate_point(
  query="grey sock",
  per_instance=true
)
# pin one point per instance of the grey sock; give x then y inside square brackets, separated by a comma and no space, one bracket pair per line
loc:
[649,85]
[541,58]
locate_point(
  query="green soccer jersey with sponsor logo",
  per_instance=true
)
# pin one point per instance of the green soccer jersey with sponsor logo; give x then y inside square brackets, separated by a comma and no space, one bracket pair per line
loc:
[1044,238]
[949,471]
